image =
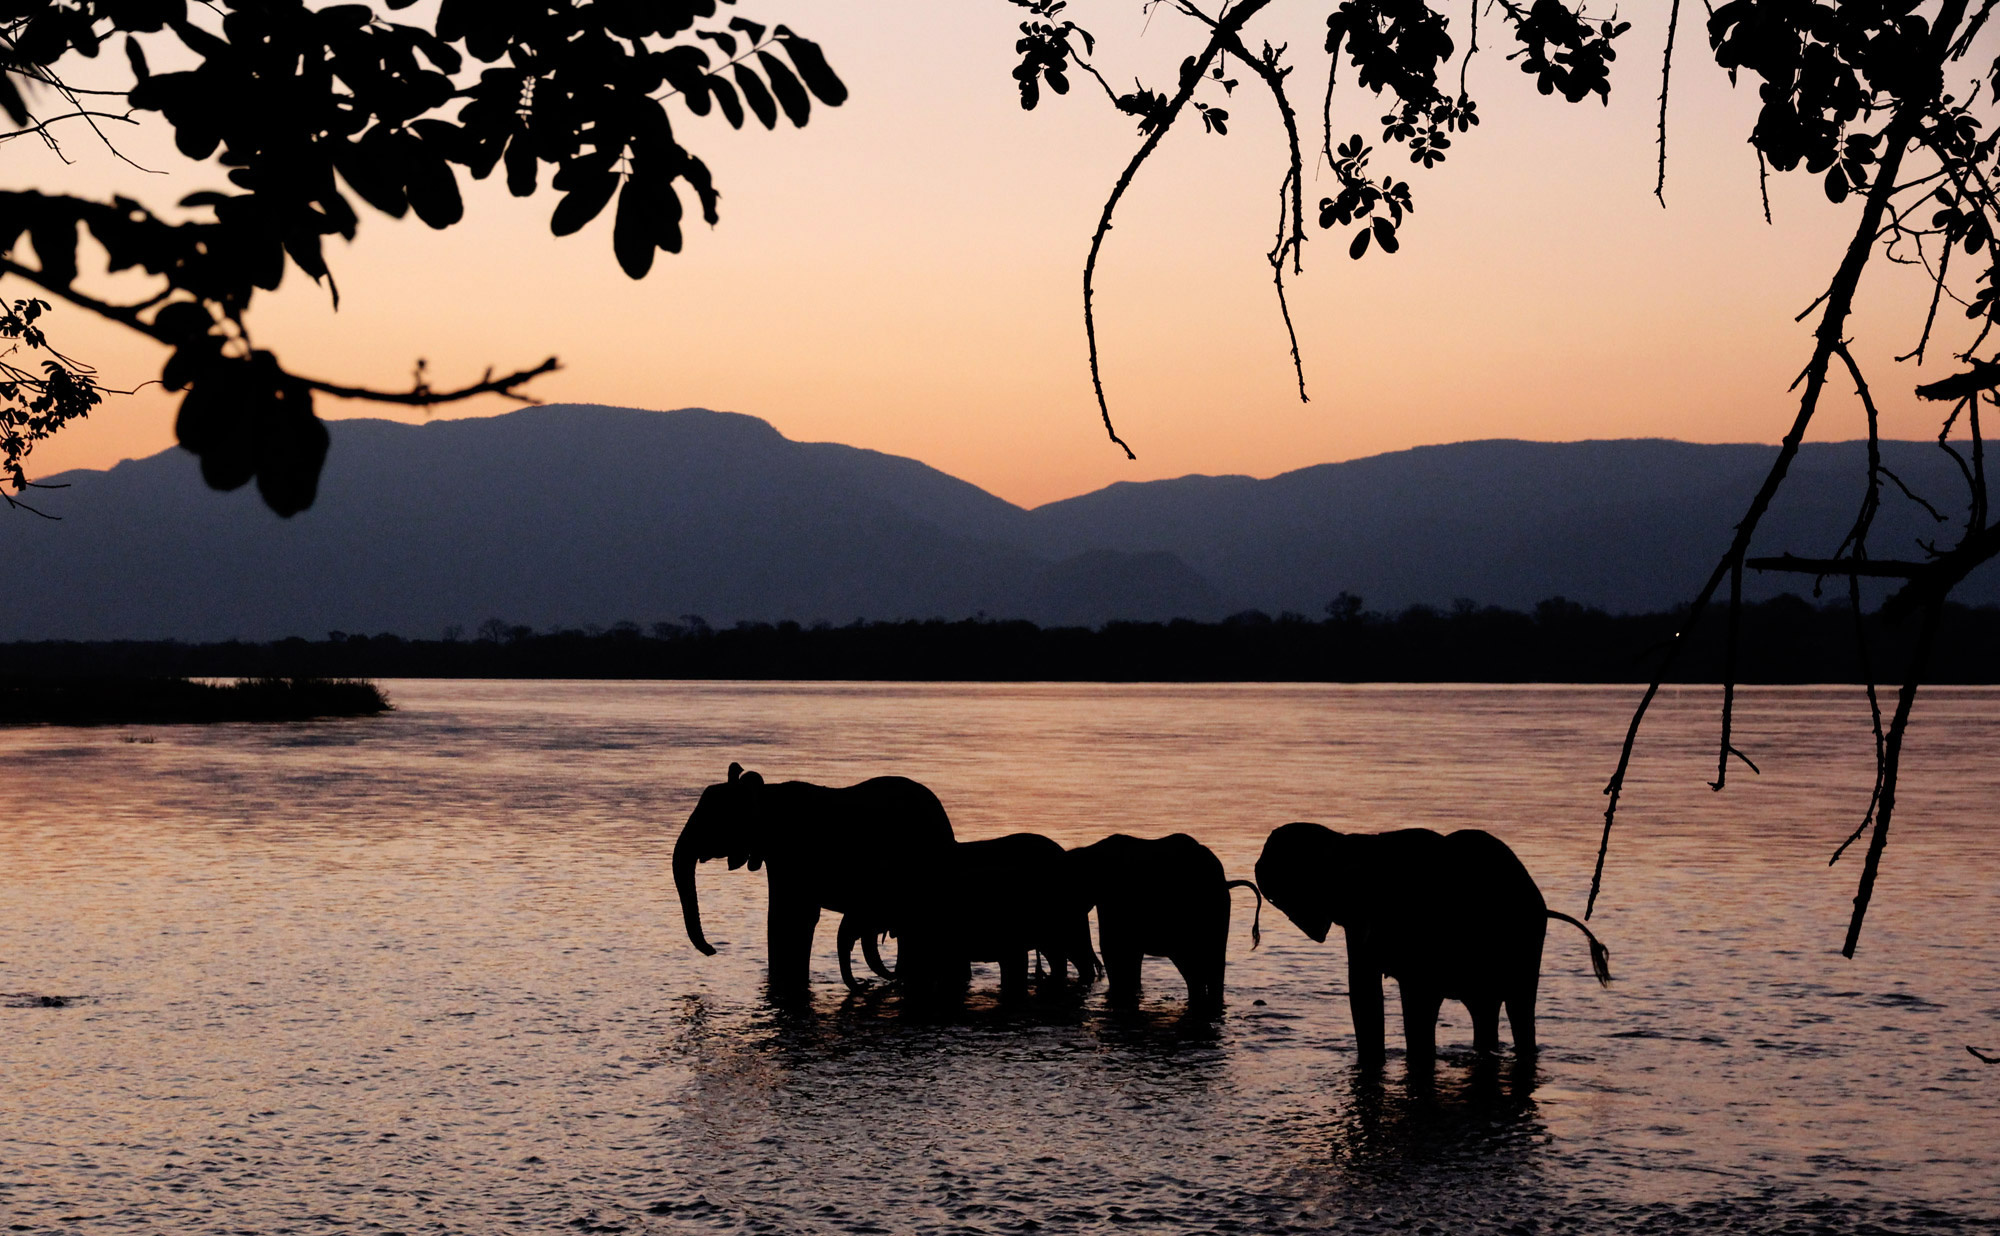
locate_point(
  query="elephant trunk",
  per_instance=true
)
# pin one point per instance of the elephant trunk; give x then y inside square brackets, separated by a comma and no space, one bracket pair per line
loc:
[685,859]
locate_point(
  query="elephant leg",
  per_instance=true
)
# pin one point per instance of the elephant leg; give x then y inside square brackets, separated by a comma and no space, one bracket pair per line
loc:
[1014,974]
[1521,997]
[1420,1018]
[848,932]
[1121,969]
[1485,1012]
[1364,1002]
[1521,1019]
[1204,978]
[871,952]
[789,925]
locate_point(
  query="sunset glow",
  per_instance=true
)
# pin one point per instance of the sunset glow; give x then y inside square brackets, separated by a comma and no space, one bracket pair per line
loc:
[904,274]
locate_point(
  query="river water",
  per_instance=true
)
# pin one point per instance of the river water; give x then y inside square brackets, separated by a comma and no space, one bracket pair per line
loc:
[425,973]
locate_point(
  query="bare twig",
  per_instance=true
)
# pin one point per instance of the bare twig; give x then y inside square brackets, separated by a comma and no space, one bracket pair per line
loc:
[1892,757]
[41,127]
[421,396]
[1291,203]
[1857,536]
[1839,300]
[1874,716]
[1872,568]
[1666,75]
[1225,30]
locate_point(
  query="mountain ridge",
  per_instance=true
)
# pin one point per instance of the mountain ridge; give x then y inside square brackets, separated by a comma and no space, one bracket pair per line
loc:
[579,515]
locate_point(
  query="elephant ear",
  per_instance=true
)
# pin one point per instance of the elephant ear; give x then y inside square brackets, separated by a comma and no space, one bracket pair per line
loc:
[744,808]
[753,784]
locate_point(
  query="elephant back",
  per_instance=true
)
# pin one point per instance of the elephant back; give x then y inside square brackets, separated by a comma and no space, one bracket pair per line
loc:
[1462,907]
[864,846]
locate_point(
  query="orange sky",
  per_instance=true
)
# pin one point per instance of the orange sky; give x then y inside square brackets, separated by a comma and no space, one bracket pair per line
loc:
[904,273]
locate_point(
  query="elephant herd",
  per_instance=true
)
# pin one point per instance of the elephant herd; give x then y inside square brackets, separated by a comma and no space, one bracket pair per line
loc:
[1449,917]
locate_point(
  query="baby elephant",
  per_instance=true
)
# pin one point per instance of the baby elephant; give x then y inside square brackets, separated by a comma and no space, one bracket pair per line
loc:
[1163,897]
[996,900]
[1448,917]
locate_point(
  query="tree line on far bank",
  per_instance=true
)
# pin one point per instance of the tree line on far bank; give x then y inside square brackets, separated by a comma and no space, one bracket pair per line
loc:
[1784,640]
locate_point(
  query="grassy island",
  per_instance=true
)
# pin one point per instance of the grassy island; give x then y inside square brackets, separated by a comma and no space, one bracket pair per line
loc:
[181,701]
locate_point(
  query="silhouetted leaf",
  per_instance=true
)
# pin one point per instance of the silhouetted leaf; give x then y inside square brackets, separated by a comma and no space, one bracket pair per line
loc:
[433,189]
[521,167]
[791,95]
[183,320]
[725,97]
[1385,235]
[374,168]
[54,237]
[583,203]
[632,230]
[1359,245]
[756,96]
[812,66]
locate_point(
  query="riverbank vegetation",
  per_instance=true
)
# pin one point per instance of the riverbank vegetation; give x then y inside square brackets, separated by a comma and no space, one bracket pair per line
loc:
[1785,640]
[127,698]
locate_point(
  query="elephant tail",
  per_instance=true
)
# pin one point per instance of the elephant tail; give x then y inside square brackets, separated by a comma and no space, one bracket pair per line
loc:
[1257,922]
[1600,957]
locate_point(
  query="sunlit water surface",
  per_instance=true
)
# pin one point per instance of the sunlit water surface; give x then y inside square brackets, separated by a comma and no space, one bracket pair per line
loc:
[425,973]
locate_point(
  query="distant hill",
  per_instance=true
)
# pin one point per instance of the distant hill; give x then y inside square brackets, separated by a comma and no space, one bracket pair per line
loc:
[578,515]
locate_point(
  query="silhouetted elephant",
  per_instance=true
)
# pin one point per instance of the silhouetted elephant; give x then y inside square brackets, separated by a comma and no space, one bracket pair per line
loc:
[994,900]
[852,929]
[857,849]
[1448,917]
[1161,897]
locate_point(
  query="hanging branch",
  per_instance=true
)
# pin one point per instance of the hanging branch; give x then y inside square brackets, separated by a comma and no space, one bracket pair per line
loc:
[1291,195]
[1225,30]
[1892,758]
[1729,681]
[1839,300]
[1857,538]
[1666,75]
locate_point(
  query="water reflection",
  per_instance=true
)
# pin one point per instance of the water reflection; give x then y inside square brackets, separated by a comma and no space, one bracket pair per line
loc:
[430,976]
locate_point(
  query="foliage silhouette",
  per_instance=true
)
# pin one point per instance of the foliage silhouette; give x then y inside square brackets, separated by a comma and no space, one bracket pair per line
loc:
[311,108]
[1786,640]
[176,701]
[1876,97]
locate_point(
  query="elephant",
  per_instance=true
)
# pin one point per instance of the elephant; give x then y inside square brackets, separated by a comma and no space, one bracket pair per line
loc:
[995,900]
[1449,917]
[856,849]
[851,930]
[1161,897]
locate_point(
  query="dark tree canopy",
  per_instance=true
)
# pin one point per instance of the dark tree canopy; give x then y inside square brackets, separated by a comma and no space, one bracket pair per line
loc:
[1883,100]
[310,109]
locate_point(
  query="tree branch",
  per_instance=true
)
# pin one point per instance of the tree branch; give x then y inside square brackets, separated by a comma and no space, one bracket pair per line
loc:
[1666,75]
[1902,130]
[1225,29]
[1873,568]
[423,397]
